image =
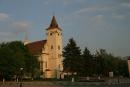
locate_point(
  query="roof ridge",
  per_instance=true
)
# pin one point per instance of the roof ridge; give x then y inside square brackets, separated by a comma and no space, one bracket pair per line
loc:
[37,41]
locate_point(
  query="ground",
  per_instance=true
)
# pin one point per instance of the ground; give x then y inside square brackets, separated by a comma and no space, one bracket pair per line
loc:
[108,83]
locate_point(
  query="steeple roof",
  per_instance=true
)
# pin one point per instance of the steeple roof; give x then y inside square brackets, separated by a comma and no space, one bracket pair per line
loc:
[53,24]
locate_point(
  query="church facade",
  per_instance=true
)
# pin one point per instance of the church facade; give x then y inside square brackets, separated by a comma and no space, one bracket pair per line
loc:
[49,51]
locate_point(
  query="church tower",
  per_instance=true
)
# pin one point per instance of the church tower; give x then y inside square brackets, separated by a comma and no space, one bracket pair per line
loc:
[54,45]
[49,51]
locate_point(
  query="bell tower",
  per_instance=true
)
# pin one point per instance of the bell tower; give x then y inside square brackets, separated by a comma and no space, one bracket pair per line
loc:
[54,45]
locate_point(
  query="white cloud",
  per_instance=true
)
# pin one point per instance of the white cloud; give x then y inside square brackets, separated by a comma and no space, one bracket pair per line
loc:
[119,16]
[64,2]
[87,10]
[3,16]
[6,36]
[95,9]
[14,30]
[82,11]
[21,26]
[10,28]
[46,3]
[102,11]
[126,5]
[98,19]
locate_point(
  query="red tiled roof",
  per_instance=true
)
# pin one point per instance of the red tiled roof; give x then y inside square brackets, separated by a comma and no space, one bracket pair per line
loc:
[35,48]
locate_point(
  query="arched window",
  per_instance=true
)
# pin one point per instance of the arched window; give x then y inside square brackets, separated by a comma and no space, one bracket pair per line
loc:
[51,47]
[58,47]
[46,64]
[50,34]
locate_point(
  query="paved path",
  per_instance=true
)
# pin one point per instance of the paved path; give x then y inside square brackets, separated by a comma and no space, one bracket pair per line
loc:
[126,83]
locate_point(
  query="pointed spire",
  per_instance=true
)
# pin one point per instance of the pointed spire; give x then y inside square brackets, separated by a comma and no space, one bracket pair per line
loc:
[53,23]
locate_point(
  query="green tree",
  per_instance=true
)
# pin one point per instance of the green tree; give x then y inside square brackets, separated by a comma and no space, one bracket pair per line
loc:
[32,65]
[14,55]
[123,68]
[87,59]
[103,62]
[106,62]
[72,57]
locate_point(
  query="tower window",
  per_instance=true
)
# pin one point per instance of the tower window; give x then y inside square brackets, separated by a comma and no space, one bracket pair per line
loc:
[58,47]
[51,47]
[46,64]
[50,33]
[59,66]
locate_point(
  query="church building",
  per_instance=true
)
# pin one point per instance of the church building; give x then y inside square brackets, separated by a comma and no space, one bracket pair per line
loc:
[49,51]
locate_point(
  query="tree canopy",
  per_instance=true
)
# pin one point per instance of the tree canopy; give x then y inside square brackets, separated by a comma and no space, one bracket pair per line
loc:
[14,55]
[87,64]
[72,57]
[87,61]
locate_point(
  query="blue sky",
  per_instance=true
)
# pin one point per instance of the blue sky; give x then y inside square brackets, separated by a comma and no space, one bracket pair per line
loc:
[92,23]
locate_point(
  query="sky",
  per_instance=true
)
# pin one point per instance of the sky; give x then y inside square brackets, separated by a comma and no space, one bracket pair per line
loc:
[95,24]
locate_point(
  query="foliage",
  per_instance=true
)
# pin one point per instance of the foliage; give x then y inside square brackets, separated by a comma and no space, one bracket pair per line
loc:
[72,57]
[106,63]
[87,59]
[86,64]
[13,56]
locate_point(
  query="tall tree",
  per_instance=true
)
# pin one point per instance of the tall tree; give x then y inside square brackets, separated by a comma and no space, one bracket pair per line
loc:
[87,62]
[72,57]
[100,61]
[106,62]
